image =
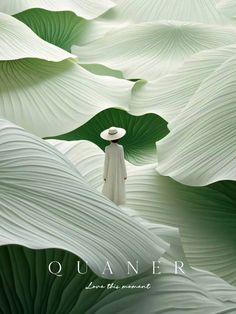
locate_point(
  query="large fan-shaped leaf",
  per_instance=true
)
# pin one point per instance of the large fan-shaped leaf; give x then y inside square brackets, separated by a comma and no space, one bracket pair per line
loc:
[54,98]
[62,29]
[141,133]
[197,292]
[89,9]
[205,215]
[169,95]
[35,290]
[86,156]
[17,41]
[45,203]
[201,147]
[202,11]
[151,50]
[128,12]
[28,287]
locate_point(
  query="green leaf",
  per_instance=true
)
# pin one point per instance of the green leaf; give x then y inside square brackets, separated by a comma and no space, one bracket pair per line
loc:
[139,141]
[168,95]
[200,148]
[49,99]
[205,216]
[151,50]
[62,29]
[45,203]
[88,9]
[35,289]
[17,41]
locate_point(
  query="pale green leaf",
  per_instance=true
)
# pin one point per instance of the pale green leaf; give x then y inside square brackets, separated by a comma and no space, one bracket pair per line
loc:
[17,41]
[138,11]
[167,96]
[88,9]
[62,29]
[128,12]
[205,216]
[45,203]
[201,146]
[86,156]
[54,98]
[168,233]
[196,292]
[150,50]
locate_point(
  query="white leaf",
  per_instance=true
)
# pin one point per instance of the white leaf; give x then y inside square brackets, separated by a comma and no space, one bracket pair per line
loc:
[168,95]
[87,157]
[150,50]
[54,98]
[128,12]
[138,11]
[201,146]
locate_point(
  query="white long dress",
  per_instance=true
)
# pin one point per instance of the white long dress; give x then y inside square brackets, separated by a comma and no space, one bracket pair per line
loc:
[114,173]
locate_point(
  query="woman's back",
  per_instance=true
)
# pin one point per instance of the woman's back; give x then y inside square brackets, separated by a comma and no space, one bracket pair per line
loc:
[114,173]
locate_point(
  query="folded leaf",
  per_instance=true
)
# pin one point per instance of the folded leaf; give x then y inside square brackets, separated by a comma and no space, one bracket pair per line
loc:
[205,216]
[151,50]
[54,98]
[200,148]
[168,95]
[128,12]
[62,29]
[17,41]
[203,11]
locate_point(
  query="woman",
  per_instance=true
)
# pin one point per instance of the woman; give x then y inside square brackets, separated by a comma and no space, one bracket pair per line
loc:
[114,174]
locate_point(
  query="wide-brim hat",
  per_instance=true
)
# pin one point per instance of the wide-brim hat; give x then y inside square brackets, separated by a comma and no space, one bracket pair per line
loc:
[113,133]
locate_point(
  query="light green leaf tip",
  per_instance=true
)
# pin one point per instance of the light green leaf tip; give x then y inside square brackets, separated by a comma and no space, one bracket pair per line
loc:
[17,41]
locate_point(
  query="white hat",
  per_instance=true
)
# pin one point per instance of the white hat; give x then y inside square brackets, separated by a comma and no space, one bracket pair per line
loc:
[113,133]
